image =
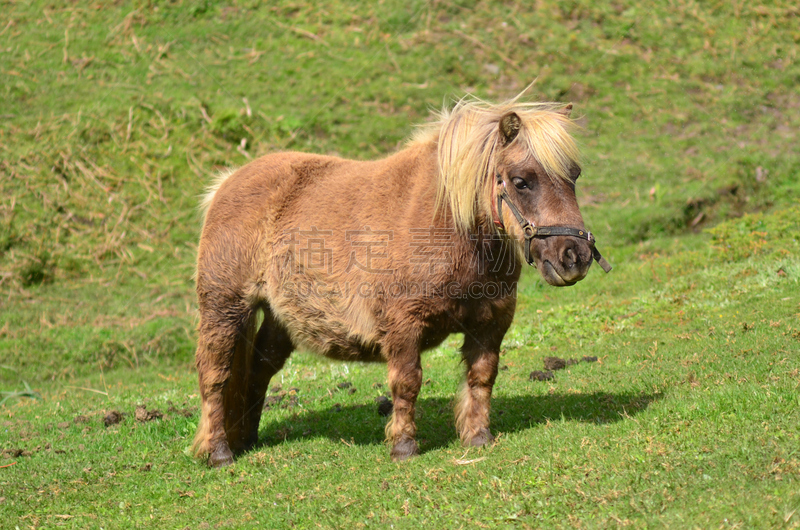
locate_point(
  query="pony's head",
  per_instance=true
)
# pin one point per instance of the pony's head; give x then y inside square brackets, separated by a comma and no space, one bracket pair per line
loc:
[516,165]
[536,169]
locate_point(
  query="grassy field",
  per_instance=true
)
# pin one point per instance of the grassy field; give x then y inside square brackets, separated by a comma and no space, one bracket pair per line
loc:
[113,119]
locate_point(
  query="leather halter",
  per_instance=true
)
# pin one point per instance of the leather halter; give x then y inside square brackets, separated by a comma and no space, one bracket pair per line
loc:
[532,231]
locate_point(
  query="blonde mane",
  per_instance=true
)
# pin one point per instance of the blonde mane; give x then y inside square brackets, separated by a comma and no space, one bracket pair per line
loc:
[469,140]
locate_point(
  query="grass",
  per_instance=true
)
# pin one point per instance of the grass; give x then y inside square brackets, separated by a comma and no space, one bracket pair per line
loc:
[113,119]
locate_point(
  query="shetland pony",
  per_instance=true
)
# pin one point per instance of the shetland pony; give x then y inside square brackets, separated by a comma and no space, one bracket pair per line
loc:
[381,260]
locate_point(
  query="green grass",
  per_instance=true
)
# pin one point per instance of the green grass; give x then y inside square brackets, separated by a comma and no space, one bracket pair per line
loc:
[113,119]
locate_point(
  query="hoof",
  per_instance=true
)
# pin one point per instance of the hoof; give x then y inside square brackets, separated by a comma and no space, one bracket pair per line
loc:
[404,449]
[484,437]
[221,457]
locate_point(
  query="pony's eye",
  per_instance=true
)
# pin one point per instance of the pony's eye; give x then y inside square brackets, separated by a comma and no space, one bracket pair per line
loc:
[519,183]
[575,174]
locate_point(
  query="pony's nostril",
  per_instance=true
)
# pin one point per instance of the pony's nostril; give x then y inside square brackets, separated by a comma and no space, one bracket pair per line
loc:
[571,259]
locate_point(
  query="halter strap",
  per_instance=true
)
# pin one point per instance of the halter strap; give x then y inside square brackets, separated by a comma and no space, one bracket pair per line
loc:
[531,231]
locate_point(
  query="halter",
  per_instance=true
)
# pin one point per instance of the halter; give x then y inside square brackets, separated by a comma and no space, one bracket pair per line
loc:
[531,231]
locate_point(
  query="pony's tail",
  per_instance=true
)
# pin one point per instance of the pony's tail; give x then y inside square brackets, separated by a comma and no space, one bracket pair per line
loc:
[208,197]
[211,190]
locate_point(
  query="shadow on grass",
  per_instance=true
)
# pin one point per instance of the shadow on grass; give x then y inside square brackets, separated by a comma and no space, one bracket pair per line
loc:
[362,425]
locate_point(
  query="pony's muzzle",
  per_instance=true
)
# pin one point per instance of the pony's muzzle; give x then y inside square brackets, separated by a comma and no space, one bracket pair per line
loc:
[565,260]
[576,258]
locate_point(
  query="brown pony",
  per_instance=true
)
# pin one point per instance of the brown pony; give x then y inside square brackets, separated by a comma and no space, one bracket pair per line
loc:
[380,260]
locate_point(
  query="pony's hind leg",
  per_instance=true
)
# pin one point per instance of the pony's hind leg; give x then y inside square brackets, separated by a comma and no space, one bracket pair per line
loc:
[234,374]
[472,408]
[272,347]
[219,335]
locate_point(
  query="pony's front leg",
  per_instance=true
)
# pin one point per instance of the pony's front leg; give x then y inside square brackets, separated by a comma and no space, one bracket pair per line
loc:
[405,380]
[481,354]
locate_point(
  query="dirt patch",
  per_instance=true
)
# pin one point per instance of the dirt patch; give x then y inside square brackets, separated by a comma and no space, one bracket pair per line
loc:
[14,453]
[113,418]
[143,415]
[385,405]
[538,375]
[557,363]
[278,399]
[272,401]
[187,412]
[292,402]
[554,363]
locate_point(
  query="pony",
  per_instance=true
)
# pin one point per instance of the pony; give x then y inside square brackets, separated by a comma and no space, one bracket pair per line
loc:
[378,261]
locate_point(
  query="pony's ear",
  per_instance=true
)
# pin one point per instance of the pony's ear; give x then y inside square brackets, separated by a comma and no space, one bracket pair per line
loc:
[565,110]
[509,127]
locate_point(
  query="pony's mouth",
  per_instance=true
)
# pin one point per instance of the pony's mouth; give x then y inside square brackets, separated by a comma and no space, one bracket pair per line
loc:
[551,276]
